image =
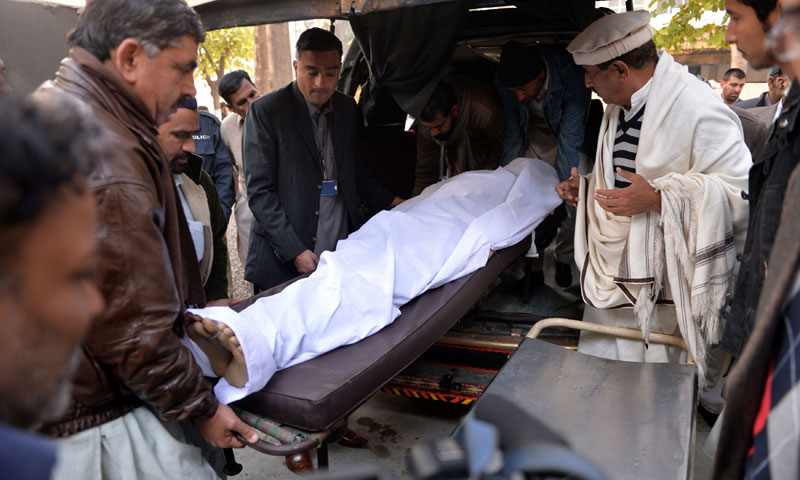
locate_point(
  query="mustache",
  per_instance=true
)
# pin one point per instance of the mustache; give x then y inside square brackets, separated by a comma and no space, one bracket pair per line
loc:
[442,136]
[181,101]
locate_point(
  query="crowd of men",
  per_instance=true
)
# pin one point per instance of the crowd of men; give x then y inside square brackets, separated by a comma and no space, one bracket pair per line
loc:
[677,225]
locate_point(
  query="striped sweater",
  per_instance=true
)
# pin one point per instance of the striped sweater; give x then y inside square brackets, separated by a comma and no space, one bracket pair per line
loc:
[626,144]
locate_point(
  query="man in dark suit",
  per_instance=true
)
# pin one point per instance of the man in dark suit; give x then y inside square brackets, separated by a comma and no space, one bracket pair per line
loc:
[303,179]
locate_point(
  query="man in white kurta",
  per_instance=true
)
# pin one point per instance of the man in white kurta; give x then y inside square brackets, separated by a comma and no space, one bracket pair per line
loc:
[661,216]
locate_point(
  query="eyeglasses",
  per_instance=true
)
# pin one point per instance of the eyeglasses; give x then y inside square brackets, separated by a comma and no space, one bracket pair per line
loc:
[785,49]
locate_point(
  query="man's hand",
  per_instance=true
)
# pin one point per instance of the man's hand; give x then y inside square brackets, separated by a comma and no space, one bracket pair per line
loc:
[639,197]
[219,429]
[306,262]
[396,201]
[568,189]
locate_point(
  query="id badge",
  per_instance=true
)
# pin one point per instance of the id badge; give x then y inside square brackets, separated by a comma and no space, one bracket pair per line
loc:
[330,188]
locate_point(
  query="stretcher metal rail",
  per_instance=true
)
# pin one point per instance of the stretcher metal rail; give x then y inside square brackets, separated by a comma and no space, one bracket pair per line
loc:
[305,406]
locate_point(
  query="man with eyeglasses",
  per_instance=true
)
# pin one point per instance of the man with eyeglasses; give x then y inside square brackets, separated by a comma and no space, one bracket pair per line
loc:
[760,433]
[302,176]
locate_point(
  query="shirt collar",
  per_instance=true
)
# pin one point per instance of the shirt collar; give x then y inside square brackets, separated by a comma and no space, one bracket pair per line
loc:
[638,99]
[545,85]
[312,109]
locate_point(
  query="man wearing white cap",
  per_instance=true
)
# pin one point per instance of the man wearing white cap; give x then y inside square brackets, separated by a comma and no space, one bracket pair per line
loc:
[661,216]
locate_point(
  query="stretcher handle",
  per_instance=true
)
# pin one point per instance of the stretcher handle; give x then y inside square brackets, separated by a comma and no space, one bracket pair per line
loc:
[622,332]
[283,449]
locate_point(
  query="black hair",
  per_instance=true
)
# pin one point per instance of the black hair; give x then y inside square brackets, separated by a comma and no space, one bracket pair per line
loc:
[638,58]
[231,83]
[735,72]
[47,144]
[519,64]
[156,24]
[318,40]
[763,9]
[442,100]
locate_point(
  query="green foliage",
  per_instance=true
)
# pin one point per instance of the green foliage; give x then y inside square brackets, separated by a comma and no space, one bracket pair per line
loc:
[680,34]
[223,51]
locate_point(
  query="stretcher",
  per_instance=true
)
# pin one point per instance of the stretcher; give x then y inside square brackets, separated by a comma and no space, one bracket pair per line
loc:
[305,406]
[633,420]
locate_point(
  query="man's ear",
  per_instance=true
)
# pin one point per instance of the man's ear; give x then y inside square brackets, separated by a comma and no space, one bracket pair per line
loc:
[621,69]
[773,17]
[126,59]
[454,110]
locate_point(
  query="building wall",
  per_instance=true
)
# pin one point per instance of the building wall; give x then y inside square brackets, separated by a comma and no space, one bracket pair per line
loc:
[33,40]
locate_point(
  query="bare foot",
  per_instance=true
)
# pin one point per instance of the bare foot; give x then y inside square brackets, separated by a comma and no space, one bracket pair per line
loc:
[205,333]
[236,373]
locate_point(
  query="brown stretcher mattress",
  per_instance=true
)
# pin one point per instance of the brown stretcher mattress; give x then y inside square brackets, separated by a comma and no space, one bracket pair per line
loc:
[314,394]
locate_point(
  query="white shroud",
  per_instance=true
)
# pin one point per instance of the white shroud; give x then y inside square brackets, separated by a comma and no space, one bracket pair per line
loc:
[441,235]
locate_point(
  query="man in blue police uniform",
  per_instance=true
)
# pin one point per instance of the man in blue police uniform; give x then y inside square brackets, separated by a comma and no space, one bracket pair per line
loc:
[216,159]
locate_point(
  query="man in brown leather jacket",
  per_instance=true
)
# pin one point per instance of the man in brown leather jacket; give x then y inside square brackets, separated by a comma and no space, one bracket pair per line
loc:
[130,63]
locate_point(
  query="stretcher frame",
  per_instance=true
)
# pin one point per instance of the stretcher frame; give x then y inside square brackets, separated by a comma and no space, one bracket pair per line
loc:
[621,427]
[448,304]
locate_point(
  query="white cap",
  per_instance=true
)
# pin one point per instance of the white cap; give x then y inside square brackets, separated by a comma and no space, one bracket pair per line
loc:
[610,37]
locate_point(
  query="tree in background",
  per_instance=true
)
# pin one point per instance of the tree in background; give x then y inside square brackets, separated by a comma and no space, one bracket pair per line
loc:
[680,34]
[223,51]
[273,65]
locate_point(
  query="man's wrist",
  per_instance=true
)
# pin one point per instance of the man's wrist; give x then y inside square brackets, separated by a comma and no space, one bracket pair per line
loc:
[208,409]
[656,207]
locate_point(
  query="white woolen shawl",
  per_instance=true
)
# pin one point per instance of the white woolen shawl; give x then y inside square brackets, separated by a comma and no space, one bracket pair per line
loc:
[692,150]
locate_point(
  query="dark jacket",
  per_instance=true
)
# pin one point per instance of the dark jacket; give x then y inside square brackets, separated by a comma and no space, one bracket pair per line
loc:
[26,455]
[565,108]
[217,160]
[146,269]
[216,286]
[745,387]
[484,131]
[767,184]
[755,125]
[760,101]
[283,176]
